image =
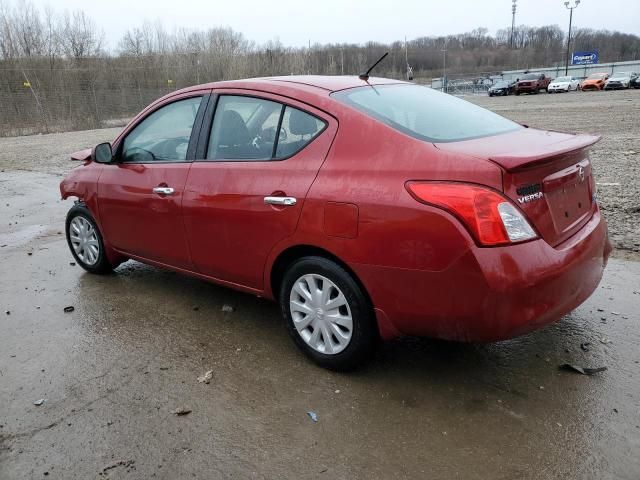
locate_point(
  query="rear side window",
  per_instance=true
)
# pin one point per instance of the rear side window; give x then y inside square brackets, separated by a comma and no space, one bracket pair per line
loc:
[297,130]
[164,135]
[249,128]
[244,128]
[424,113]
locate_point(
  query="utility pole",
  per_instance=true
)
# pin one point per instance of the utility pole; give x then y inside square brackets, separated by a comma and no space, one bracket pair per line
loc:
[513,22]
[342,60]
[444,67]
[406,59]
[566,4]
[406,51]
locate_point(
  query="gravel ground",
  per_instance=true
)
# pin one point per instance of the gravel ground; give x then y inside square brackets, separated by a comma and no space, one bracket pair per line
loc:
[613,115]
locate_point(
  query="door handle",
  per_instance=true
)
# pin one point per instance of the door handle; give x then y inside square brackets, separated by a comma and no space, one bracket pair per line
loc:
[163,190]
[282,201]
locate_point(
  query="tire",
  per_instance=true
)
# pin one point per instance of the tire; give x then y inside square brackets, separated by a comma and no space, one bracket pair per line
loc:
[90,255]
[517,93]
[321,274]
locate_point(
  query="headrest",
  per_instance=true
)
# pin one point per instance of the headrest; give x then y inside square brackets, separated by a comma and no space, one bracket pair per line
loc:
[301,123]
[233,129]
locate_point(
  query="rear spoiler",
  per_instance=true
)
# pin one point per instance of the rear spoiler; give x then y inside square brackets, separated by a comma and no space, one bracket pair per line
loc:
[81,155]
[544,153]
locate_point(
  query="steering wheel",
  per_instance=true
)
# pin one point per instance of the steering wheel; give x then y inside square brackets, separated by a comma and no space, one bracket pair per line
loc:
[132,154]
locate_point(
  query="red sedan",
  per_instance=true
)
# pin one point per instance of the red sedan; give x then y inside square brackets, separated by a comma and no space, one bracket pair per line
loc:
[367,209]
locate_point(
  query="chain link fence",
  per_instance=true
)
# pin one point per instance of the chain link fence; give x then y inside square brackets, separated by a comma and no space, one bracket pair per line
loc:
[44,101]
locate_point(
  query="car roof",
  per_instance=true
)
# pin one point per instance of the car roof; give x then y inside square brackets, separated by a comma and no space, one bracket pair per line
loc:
[327,83]
[310,89]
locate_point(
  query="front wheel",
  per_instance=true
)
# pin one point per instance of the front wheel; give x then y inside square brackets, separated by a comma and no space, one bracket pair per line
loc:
[85,241]
[327,314]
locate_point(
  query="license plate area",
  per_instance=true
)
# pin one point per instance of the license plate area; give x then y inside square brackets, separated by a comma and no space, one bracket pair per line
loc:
[569,196]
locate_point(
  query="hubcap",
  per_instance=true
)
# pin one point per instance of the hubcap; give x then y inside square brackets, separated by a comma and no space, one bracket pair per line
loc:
[84,240]
[321,314]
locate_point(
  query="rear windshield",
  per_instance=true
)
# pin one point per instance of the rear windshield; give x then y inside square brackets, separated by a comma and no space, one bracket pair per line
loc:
[424,113]
[530,76]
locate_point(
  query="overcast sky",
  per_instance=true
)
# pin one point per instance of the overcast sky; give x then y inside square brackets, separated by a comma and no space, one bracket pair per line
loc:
[295,22]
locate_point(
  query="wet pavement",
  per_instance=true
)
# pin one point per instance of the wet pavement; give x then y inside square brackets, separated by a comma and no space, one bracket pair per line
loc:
[112,370]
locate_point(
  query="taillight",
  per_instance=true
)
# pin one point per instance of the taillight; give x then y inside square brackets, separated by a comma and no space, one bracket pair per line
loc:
[490,217]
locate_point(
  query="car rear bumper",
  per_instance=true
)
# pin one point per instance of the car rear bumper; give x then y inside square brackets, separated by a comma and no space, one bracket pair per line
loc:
[491,294]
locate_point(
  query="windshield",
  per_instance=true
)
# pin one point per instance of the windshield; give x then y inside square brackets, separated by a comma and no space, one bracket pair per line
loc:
[621,74]
[596,76]
[562,79]
[500,85]
[424,113]
[530,76]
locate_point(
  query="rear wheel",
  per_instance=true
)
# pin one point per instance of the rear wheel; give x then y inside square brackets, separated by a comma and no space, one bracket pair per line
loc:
[327,313]
[85,241]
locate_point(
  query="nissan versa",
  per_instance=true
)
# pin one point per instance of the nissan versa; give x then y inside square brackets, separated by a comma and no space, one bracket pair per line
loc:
[368,208]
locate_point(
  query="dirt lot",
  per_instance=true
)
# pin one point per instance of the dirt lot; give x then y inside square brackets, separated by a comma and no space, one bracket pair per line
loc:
[111,371]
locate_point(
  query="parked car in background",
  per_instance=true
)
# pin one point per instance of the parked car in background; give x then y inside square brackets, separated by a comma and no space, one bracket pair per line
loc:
[502,88]
[532,83]
[367,208]
[636,82]
[595,81]
[620,80]
[564,84]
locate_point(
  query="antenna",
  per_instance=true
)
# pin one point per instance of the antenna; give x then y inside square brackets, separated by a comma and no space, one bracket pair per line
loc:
[365,76]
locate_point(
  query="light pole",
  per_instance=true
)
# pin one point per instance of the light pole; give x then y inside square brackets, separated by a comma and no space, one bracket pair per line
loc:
[513,21]
[567,4]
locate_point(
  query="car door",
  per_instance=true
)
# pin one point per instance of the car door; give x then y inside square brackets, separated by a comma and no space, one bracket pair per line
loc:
[140,193]
[245,192]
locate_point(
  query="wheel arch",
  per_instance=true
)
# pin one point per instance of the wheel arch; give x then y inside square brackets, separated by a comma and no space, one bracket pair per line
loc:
[295,252]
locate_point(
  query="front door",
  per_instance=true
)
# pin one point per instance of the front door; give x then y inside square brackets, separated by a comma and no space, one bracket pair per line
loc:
[247,193]
[140,195]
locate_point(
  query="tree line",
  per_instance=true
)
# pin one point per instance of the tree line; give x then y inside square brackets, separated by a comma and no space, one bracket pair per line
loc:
[57,72]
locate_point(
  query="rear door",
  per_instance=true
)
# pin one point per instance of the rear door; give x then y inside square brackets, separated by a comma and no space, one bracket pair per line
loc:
[140,195]
[258,156]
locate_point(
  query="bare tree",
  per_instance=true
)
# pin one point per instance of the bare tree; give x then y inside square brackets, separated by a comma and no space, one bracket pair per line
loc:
[79,36]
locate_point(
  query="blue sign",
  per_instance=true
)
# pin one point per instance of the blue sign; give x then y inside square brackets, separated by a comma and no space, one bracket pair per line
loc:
[584,58]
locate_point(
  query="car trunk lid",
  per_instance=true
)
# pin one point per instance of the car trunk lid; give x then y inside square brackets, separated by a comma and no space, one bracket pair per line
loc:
[547,175]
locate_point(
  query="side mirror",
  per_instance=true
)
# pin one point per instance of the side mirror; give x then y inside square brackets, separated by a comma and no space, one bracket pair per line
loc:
[102,153]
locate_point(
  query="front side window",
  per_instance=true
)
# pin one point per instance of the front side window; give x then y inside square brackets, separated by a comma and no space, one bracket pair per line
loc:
[424,113]
[249,128]
[164,135]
